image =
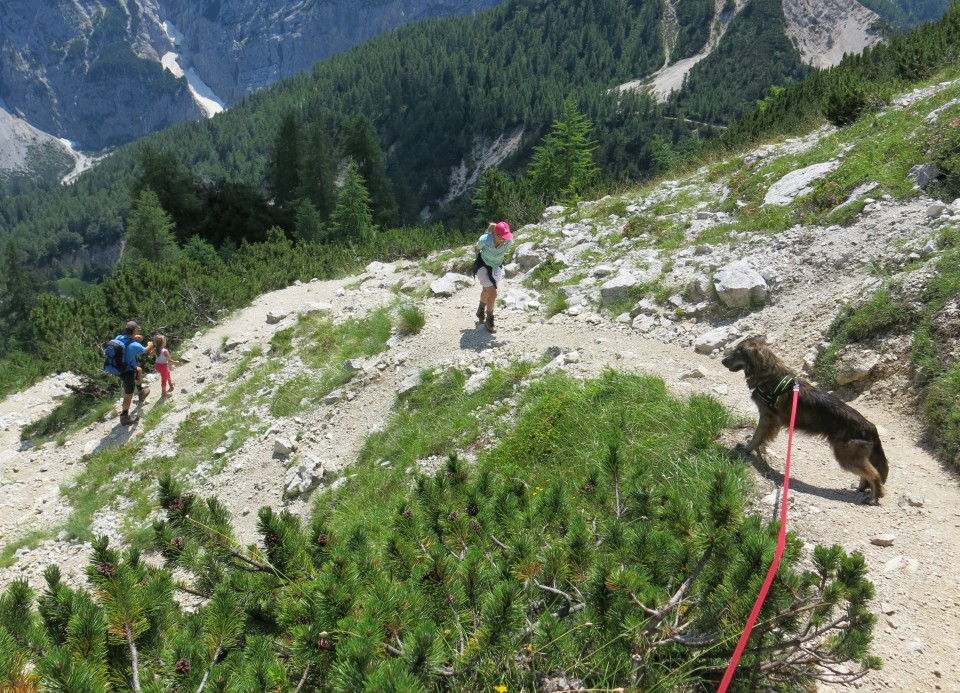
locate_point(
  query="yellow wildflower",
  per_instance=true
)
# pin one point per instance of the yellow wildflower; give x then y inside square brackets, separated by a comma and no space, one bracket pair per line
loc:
[500,688]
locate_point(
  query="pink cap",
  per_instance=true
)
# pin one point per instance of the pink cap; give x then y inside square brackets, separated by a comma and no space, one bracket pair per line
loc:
[502,229]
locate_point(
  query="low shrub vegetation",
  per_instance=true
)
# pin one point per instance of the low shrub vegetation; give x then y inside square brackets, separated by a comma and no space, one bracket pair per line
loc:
[599,535]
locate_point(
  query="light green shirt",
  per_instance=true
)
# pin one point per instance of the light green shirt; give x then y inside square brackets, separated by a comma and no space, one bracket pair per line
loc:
[490,253]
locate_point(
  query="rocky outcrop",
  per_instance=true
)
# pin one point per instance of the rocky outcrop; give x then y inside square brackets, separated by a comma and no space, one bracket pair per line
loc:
[24,150]
[825,30]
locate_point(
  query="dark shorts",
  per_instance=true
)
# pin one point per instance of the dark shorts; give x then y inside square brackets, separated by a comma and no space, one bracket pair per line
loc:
[129,382]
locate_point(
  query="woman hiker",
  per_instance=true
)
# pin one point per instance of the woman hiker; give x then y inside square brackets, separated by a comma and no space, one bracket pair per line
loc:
[488,267]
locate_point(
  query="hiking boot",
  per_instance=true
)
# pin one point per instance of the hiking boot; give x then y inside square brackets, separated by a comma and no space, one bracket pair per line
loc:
[480,313]
[143,393]
[489,322]
[129,419]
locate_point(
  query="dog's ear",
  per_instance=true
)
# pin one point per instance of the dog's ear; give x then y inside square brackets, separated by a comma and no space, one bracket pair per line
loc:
[761,339]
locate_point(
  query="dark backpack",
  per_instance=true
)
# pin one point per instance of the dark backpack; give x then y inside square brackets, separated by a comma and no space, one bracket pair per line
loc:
[113,362]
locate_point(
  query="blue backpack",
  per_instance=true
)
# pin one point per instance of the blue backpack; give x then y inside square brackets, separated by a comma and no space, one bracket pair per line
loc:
[113,362]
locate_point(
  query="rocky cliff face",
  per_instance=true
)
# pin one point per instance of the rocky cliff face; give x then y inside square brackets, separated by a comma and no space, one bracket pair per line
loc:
[238,46]
[104,72]
[89,70]
[824,30]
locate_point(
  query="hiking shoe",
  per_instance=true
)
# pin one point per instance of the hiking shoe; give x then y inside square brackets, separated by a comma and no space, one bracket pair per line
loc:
[143,393]
[480,313]
[489,322]
[129,419]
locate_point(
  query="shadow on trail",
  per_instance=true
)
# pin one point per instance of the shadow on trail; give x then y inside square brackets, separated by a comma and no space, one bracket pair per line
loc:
[776,476]
[119,434]
[476,339]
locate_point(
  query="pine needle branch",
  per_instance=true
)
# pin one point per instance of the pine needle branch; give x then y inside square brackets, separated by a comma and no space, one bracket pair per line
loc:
[134,656]
[656,617]
[213,661]
[303,679]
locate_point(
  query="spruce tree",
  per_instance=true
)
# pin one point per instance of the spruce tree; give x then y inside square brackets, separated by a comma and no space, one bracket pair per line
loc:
[563,168]
[150,231]
[318,170]
[19,295]
[174,186]
[362,143]
[285,163]
[308,226]
[352,218]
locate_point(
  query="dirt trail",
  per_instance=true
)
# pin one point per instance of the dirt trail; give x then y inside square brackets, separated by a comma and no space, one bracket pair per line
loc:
[918,586]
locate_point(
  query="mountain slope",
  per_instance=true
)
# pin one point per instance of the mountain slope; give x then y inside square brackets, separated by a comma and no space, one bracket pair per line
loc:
[809,225]
[916,585]
[101,73]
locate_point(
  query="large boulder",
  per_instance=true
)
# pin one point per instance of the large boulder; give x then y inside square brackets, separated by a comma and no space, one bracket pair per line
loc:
[626,284]
[449,284]
[797,183]
[923,175]
[854,366]
[713,340]
[739,285]
[527,256]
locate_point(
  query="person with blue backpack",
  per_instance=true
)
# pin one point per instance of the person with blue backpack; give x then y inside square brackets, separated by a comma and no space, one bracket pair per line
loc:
[122,353]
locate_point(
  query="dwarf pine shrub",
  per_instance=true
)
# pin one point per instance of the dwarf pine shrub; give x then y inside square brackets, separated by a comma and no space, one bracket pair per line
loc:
[602,538]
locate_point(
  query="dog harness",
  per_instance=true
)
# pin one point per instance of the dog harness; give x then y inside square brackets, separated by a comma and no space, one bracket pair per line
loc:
[783,386]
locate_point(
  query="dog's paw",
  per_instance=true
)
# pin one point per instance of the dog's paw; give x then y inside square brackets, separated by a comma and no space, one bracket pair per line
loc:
[870,500]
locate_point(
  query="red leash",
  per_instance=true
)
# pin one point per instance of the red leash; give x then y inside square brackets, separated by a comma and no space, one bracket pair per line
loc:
[781,544]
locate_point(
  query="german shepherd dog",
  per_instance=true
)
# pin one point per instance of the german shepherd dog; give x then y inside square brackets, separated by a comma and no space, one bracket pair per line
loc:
[854,440]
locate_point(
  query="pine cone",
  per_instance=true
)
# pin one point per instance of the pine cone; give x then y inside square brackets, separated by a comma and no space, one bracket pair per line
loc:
[323,539]
[271,539]
[472,509]
[106,569]
[183,665]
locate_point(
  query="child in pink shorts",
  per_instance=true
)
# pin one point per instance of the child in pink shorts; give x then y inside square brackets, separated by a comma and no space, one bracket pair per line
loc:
[162,364]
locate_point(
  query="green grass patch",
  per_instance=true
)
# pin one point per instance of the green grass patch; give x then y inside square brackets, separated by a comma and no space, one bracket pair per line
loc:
[435,265]
[19,370]
[632,295]
[410,319]
[611,205]
[934,341]
[30,540]
[556,302]
[539,280]
[877,315]
[72,414]
[106,475]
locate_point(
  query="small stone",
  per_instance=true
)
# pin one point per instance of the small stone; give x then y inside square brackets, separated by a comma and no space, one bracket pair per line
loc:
[887,609]
[283,446]
[914,500]
[883,540]
[334,397]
